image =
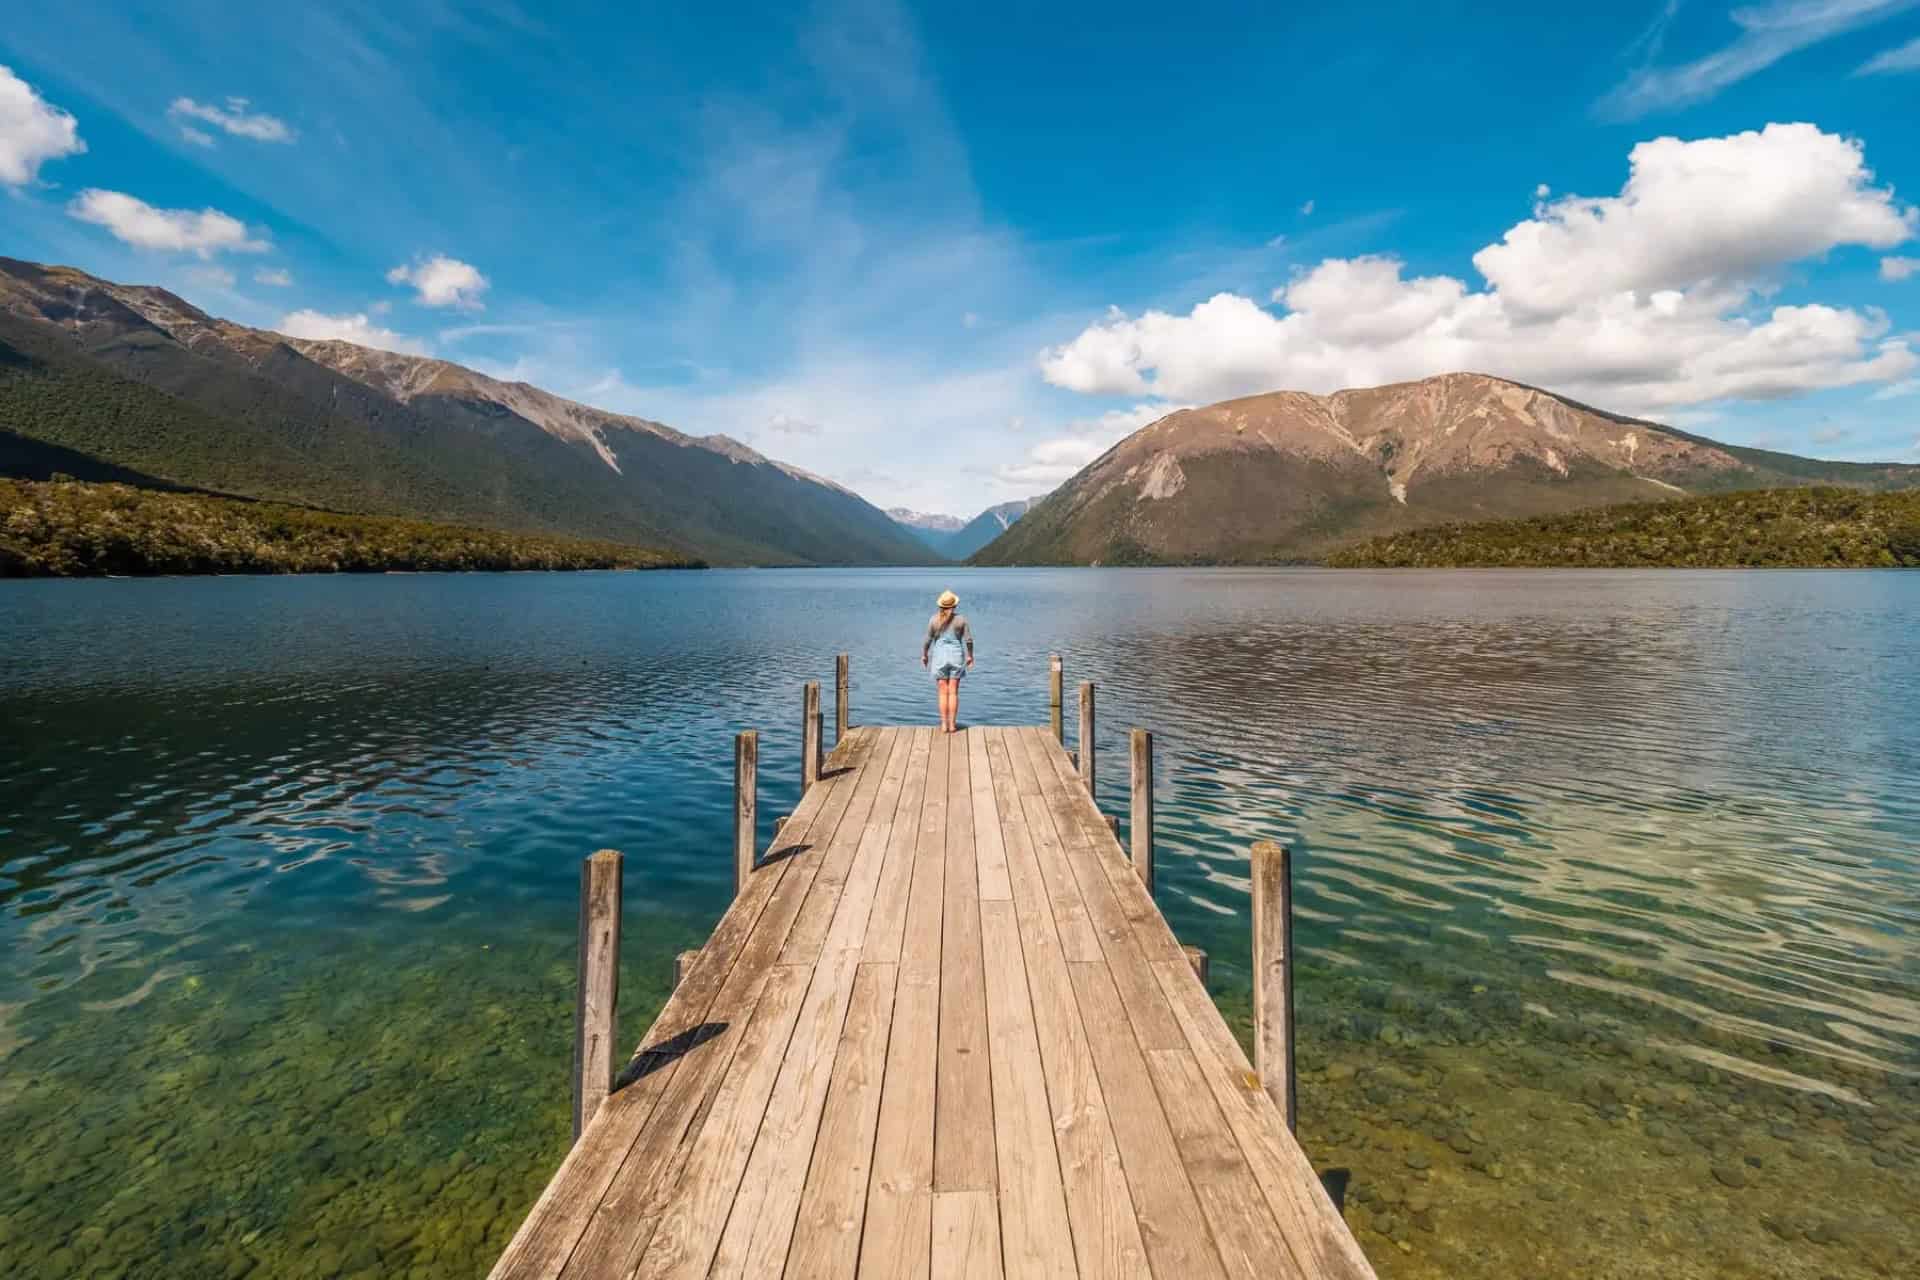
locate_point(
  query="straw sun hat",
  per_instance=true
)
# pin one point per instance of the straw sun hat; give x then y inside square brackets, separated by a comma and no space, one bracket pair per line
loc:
[948,600]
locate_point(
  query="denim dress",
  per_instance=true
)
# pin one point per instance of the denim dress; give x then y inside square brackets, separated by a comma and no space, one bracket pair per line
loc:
[948,656]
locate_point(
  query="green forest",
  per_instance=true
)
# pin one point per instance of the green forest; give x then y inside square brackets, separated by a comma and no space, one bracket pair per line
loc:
[1818,527]
[70,528]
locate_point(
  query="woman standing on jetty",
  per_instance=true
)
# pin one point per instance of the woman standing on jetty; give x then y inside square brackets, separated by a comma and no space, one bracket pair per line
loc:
[948,650]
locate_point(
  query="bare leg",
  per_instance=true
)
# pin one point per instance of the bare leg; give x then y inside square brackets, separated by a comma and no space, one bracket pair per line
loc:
[949,697]
[953,717]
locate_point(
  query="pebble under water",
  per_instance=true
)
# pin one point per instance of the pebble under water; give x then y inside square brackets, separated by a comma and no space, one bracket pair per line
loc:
[1607,887]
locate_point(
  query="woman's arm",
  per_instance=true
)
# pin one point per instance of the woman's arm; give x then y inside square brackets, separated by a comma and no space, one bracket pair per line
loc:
[966,634]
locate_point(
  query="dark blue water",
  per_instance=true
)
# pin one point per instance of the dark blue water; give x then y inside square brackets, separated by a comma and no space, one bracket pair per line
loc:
[1608,886]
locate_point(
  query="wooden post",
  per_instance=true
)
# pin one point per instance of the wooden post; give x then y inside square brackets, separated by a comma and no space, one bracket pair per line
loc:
[1055,674]
[778,823]
[599,991]
[1113,826]
[1198,959]
[746,794]
[1086,735]
[1273,974]
[682,966]
[809,735]
[842,682]
[1140,824]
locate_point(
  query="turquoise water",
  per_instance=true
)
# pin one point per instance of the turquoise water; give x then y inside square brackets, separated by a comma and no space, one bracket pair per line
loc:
[1608,887]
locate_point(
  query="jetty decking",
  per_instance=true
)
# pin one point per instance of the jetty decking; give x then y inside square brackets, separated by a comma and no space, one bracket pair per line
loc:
[941,1031]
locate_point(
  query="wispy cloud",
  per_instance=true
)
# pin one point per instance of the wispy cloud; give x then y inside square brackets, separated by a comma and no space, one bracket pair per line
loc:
[235,119]
[273,277]
[1768,33]
[1906,57]
[133,221]
[1897,268]
[32,131]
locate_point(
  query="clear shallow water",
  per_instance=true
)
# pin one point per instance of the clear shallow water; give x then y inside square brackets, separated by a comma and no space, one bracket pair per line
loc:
[1608,887]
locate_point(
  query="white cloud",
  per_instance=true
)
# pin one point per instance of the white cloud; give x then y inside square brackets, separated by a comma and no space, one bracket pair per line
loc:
[277,277]
[1641,302]
[1893,391]
[355,328]
[1542,191]
[441,281]
[1898,268]
[32,131]
[234,119]
[1057,458]
[1768,32]
[1306,210]
[1904,58]
[204,232]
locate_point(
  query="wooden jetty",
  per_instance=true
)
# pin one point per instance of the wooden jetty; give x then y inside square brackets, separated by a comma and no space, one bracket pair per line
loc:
[941,1031]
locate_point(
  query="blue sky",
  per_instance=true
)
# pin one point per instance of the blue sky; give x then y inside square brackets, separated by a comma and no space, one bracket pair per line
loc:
[947,253]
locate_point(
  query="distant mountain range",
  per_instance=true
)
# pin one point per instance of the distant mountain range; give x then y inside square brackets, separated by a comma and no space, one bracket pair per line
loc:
[956,539]
[1290,476]
[124,382]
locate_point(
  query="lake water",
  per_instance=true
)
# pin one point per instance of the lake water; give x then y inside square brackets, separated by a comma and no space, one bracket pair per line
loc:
[1607,886]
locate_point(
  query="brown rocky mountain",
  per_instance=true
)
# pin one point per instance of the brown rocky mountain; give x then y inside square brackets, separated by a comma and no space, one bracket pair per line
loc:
[132,382]
[1289,476]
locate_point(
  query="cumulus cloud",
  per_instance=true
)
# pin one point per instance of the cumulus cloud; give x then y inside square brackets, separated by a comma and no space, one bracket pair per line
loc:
[204,232]
[441,281]
[1055,459]
[32,131]
[1641,301]
[1898,268]
[1768,33]
[277,277]
[1904,58]
[355,328]
[234,119]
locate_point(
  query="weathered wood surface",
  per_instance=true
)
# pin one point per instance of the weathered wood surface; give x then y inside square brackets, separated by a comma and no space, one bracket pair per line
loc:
[941,1031]
[598,995]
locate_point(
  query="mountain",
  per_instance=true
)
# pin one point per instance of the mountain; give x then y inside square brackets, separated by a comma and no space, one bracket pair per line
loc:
[955,538]
[1290,476]
[125,382]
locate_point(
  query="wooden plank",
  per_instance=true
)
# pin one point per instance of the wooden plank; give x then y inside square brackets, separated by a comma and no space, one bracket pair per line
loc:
[966,1236]
[900,1194]
[1088,738]
[760,1227]
[552,1229]
[1035,1236]
[597,994]
[1077,938]
[809,735]
[1150,928]
[990,848]
[760,1231]
[889,922]
[1273,975]
[746,800]
[1146,1005]
[695,1211]
[816,915]
[1250,1244]
[1178,1240]
[963,1158]
[826,1239]
[1140,813]
[1106,1235]
[842,688]
[619,1230]
[1321,1243]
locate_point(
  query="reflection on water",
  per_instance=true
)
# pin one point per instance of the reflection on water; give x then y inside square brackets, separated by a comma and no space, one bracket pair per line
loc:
[1608,887]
